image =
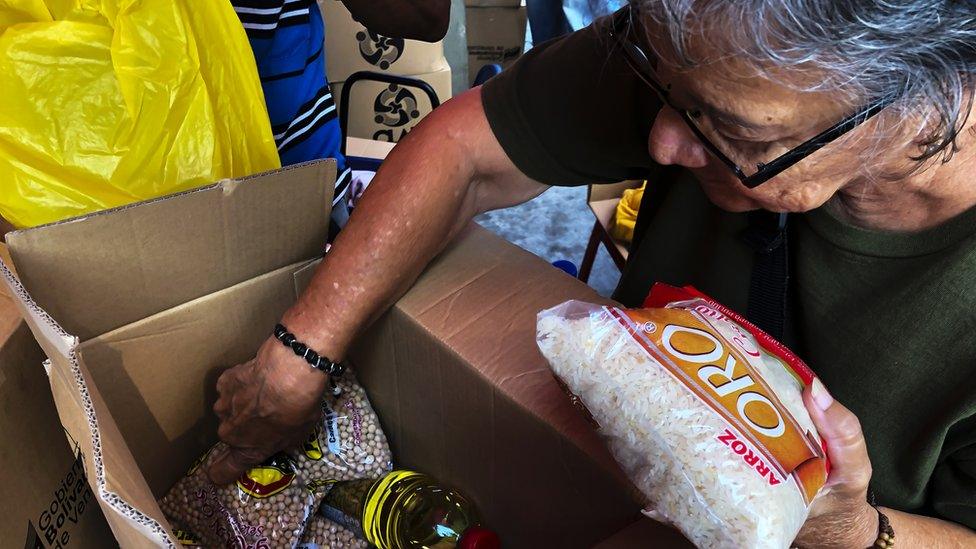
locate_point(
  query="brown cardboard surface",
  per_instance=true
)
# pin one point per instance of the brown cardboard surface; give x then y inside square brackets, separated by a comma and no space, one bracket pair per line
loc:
[367,148]
[162,371]
[645,533]
[38,468]
[495,35]
[351,48]
[464,395]
[5,258]
[102,271]
[381,112]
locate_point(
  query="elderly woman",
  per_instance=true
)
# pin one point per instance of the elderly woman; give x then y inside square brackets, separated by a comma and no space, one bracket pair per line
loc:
[851,117]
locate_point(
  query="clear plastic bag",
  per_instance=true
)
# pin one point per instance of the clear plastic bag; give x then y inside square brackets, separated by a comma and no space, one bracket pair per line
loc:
[323,533]
[702,410]
[270,506]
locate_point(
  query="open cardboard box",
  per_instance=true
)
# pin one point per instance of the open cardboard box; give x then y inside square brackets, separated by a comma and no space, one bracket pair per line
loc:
[45,500]
[140,309]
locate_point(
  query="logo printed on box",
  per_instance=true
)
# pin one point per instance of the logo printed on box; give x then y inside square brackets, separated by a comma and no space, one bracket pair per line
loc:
[395,107]
[379,50]
[66,509]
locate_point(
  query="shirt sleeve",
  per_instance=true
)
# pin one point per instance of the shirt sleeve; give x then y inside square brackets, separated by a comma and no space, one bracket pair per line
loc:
[572,112]
[953,495]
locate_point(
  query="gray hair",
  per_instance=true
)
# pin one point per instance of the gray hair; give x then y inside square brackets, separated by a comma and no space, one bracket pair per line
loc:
[920,52]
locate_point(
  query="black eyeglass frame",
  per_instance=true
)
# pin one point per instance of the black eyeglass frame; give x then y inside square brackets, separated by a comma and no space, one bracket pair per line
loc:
[621,34]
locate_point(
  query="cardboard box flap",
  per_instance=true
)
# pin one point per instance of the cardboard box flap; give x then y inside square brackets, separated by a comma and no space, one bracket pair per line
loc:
[40,468]
[121,265]
[489,286]
[52,338]
[168,421]
[135,519]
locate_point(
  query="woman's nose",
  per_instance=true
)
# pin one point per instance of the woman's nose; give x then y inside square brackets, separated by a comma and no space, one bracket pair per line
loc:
[672,142]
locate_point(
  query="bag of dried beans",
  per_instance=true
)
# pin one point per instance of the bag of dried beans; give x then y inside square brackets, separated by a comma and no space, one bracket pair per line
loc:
[270,506]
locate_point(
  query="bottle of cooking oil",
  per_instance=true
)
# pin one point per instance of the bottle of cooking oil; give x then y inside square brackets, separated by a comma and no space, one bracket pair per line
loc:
[407,510]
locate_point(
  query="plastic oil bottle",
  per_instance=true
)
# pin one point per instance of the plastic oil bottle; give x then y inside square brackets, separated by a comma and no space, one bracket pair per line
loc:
[407,510]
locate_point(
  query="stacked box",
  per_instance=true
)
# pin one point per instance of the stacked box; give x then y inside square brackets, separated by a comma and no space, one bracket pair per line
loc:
[378,111]
[496,33]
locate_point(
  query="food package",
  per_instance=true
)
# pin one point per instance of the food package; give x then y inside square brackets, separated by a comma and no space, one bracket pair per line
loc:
[111,102]
[701,409]
[323,533]
[270,506]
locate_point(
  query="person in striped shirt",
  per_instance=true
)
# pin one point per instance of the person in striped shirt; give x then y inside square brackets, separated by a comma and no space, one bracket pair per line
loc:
[287,37]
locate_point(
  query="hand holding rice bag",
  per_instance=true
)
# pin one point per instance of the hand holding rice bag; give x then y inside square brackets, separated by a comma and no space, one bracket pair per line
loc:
[702,410]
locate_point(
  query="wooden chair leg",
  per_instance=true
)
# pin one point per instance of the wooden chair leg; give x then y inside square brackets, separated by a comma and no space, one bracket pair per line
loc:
[611,246]
[590,255]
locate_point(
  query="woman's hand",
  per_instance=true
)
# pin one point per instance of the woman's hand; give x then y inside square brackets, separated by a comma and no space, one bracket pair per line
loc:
[841,516]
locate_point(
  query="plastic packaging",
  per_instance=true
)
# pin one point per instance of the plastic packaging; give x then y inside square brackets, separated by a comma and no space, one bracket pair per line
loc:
[406,509]
[323,533]
[270,506]
[111,102]
[701,409]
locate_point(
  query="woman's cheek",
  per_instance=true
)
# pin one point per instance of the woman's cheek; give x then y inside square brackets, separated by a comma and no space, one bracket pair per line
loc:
[727,195]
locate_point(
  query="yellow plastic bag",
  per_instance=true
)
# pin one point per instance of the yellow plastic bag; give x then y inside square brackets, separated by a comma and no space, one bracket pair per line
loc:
[107,102]
[625,217]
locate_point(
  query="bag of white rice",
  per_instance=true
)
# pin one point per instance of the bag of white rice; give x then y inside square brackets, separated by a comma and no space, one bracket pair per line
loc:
[701,409]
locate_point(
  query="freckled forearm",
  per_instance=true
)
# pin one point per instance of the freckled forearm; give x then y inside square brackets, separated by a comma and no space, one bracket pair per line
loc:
[409,213]
[446,171]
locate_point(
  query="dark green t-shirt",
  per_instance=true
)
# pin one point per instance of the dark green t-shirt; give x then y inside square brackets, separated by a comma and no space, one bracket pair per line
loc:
[887,320]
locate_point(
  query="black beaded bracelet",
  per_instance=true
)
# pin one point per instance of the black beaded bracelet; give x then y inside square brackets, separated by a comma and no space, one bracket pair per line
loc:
[886,534]
[320,363]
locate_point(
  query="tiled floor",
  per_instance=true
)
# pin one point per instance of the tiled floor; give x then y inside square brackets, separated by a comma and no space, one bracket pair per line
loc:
[555,226]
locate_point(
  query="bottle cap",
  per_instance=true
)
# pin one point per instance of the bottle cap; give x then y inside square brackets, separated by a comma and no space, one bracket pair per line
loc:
[477,537]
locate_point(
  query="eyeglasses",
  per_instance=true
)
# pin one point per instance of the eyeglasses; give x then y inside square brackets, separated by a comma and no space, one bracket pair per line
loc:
[749,153]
